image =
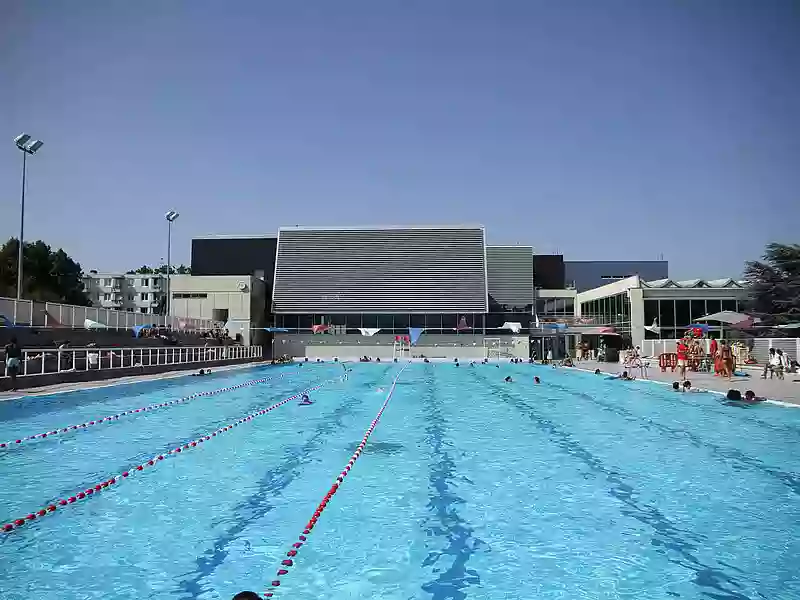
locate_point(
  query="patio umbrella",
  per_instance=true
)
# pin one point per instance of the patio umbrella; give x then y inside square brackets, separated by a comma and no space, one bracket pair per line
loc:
[729,317]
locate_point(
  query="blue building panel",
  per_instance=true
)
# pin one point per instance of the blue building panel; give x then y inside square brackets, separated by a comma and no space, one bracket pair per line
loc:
[590,274]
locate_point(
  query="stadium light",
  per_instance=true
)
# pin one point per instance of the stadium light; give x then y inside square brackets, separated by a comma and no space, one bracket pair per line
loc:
[171,217]
[27,145]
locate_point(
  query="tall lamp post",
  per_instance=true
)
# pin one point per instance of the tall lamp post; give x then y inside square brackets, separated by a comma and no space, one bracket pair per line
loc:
[27,146]
[171,217]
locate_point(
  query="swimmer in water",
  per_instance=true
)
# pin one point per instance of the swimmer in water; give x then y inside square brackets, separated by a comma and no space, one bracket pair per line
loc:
[305,400]
[536,379]
[623,377]
[508,379]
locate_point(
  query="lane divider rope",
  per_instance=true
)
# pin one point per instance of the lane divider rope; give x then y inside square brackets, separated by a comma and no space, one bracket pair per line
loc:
[150,408]
[146,466]
[291,555]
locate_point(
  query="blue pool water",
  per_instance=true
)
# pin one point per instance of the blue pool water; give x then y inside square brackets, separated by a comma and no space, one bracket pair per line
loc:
[469,488]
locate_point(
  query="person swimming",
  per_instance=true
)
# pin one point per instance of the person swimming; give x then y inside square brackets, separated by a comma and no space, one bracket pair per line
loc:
[536,379]
[508,379]
[305,400]
[624,377]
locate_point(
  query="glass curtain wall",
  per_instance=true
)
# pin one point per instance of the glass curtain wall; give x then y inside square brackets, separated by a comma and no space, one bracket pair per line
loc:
[675,316]
[397,324]
[613,311]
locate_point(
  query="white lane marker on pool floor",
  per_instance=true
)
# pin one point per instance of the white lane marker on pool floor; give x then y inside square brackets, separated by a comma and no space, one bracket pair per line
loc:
[150,408]
[292,553]
[89,492]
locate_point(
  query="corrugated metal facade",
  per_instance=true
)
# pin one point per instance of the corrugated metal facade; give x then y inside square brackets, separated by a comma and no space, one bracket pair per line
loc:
[392,270]
[510,275]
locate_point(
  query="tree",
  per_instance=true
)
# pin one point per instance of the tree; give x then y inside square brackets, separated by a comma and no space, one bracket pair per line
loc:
[775,285]
[145,270]
[48,276]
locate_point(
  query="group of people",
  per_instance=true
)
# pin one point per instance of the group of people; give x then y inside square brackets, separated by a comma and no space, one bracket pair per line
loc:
[691,356]
[778,364]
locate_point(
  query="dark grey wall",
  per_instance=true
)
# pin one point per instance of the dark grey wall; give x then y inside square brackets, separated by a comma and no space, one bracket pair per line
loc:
[235,256]
[589,274]
[548,271]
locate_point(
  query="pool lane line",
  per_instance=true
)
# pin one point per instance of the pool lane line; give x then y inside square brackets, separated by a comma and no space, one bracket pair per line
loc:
[150,408]
[89,492]
[288,562]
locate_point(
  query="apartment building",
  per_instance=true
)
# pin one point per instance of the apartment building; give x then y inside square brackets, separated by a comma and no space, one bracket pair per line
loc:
[132,293]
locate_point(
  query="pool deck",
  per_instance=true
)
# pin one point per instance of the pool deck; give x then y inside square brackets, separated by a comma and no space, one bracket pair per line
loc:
[60,388]
[786,391]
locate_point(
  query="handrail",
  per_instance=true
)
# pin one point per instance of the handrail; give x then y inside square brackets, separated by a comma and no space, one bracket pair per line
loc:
[60,360]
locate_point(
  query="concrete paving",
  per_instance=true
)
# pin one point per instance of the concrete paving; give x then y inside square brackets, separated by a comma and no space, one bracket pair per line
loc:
[60,388]
[786,391]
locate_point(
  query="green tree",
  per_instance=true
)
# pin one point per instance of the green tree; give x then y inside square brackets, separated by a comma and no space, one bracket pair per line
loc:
[48,276]
[775,285]
[174,270]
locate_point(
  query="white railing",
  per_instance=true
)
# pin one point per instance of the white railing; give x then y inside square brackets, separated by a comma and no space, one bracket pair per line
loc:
[46,361]
[760,347]
[53,314]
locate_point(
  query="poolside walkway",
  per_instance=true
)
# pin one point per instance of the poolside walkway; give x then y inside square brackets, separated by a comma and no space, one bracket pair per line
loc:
[90,385]
[787,390]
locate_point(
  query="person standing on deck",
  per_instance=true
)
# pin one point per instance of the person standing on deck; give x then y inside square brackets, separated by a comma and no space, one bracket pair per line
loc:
[712,350]
[13,353]
[683,357]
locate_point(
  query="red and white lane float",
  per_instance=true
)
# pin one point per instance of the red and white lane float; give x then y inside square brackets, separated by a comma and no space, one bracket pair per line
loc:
[291,555]
[71,428]
[146,466]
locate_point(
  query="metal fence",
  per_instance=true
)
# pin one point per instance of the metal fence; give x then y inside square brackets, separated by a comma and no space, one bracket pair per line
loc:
[38,362]
[52,314]
[759,347]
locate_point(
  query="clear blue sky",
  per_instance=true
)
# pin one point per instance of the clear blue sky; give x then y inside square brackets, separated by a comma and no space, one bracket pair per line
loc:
[604,130]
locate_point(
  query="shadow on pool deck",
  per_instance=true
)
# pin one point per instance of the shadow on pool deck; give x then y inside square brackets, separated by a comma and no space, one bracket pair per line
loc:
[787,390]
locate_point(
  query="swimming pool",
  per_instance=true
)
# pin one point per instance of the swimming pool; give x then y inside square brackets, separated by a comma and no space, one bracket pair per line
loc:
[468,488]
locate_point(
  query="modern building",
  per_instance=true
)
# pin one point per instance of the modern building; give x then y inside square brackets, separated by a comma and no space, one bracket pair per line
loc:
[660,309]
[585,275]
[143,294]
[364,286]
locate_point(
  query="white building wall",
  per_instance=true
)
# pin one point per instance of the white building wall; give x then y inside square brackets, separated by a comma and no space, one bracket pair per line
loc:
[231,300]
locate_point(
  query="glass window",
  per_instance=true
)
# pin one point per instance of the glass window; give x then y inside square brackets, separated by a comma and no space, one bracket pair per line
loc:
[449,323]
[304,322]
[369,321]
[290,322]
[698,308]
[434,323]
[713,306]
[494,321]
[401,322]
[666,310]
[417,320]
[337,320]
[353,321]
[682,318]
[729,305]
[386,322]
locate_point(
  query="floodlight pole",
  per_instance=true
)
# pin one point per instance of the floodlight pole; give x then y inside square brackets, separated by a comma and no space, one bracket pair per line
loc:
[27,146]
[21,225]
[170,217]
